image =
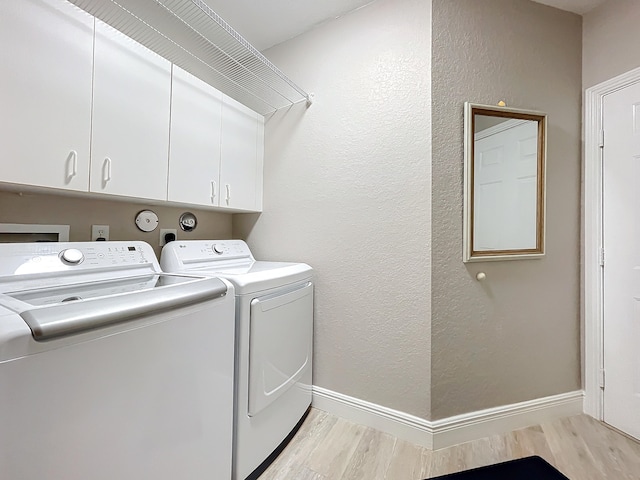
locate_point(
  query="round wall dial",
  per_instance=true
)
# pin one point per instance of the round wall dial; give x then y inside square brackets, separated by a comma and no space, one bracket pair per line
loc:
[147,221]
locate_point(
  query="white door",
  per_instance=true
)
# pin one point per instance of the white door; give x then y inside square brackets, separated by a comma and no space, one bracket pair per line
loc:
[241,157]
[505,167]
[622,260]
[194,152]
[45,99]
[130,136]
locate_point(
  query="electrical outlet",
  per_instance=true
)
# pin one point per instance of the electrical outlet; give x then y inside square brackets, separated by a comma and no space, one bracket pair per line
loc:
[99,233]
[167,231]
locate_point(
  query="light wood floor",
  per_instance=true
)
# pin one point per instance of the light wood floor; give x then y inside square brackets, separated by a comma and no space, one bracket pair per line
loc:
[328,447]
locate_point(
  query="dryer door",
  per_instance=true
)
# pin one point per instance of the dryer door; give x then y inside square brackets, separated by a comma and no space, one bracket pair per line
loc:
[280,345]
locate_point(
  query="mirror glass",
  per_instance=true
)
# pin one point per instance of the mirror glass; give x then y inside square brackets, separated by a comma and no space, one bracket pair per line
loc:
[504,183]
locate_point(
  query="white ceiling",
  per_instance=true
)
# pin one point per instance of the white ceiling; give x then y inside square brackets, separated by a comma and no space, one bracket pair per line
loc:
[267,23]
[577,6]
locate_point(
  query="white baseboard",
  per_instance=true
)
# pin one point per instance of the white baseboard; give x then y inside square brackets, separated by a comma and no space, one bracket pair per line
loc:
[471,426]
[452,430]
[402,425]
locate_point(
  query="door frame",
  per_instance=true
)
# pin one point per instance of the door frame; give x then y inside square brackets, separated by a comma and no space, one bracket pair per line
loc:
[593,295]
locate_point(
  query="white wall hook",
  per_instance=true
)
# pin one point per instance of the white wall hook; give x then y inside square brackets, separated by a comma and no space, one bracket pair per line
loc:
[481,276]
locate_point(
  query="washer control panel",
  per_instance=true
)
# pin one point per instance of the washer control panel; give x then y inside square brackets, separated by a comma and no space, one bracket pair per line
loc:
[33,258]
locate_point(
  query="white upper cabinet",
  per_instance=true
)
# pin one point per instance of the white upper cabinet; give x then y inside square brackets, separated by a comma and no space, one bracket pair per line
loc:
[241,163]
[83,107]
[130,136]
[194,152]
[46,51]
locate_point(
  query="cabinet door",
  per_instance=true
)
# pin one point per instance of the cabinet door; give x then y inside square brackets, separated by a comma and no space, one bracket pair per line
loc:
[194,147]
[241,157]
[45,113]
[130,136]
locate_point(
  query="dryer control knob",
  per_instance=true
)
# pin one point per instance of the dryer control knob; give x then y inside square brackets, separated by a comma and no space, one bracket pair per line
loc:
[72,256]
[218,249]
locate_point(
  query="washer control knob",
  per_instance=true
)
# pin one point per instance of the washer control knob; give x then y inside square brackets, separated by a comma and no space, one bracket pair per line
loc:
[72,256]
[218,249]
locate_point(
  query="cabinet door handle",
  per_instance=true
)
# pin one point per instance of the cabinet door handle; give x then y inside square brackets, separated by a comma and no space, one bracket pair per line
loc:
[228,193]
[106,170]
[72,164]
[213,191]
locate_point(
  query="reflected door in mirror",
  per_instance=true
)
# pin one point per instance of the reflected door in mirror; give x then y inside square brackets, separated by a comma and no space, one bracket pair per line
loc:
[505,181]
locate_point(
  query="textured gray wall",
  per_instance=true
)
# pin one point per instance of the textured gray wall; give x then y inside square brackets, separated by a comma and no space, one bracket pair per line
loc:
[514,337]
[611,36]
[80,213]
[347,190]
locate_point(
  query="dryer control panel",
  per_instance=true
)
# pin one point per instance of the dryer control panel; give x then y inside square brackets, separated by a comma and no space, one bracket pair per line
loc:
[195,251]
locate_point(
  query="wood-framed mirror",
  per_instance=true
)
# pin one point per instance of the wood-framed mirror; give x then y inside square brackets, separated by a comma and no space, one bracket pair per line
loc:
[504,183]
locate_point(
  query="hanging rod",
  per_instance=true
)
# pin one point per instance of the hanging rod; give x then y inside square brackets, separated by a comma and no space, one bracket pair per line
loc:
[191,35]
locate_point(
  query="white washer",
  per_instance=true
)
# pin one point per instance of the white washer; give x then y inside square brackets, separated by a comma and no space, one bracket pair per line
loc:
[110,369]
[274,343]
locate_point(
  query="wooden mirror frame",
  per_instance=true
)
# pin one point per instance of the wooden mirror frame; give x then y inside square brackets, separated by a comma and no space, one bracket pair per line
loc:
[470,254]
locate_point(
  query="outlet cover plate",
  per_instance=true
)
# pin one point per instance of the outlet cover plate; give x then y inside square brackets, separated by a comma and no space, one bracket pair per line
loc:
[99,231]
[164,231]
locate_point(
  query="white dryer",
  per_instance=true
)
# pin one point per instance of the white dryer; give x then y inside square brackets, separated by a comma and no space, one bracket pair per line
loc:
[111,369]
[274,343]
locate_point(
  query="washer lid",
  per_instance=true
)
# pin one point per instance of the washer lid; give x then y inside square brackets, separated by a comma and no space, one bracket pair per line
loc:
[58,311]
[253,277]
[41,297]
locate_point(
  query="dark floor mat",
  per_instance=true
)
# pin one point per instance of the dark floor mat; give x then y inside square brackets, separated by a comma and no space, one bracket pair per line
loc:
[529,468]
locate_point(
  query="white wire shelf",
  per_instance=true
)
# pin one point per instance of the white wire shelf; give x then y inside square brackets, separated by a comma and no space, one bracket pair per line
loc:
[191,35]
